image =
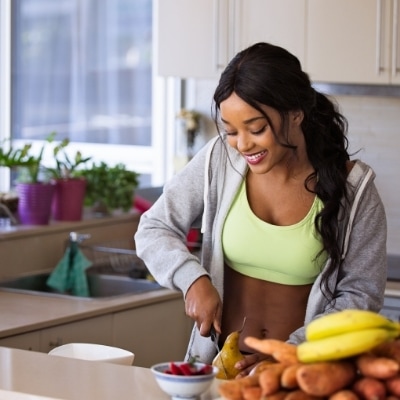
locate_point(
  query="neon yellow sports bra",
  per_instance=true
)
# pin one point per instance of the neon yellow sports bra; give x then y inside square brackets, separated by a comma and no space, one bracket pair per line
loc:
[281,254]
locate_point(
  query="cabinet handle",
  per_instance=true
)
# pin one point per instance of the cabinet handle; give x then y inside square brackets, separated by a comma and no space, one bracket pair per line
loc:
[379,13]
[395,37]
[216,29]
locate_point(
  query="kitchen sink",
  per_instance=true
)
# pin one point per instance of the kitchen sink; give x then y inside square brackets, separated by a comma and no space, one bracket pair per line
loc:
[101,286]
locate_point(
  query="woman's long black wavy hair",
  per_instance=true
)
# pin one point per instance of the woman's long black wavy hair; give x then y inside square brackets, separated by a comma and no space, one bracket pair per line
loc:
[264,74]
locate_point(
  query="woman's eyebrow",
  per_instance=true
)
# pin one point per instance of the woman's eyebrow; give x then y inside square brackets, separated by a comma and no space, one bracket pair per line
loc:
[247,121]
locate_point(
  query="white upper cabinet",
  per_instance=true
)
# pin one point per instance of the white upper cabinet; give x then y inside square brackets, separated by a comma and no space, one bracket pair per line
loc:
[197,38]
[280,22]
[337,41]
[353,41]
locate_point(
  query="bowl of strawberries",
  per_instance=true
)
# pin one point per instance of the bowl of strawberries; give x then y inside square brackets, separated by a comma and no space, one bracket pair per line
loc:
[184,379]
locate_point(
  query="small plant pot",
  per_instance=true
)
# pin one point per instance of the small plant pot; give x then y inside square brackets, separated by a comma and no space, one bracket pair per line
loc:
[69,195]
[34,206]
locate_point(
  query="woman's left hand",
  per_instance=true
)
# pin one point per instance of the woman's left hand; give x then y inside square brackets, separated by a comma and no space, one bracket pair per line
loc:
[249,363]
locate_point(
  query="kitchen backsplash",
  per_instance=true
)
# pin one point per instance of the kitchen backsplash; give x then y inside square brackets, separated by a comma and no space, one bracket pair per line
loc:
[374,131]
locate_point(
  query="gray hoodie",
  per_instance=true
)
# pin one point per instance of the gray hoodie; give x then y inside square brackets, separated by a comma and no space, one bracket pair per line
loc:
[201,195]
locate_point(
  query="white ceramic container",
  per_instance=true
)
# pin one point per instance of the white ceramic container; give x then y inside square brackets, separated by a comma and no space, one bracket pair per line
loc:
[94,352]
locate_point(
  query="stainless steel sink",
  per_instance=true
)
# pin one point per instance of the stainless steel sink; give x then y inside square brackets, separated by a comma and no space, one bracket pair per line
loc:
[101,286]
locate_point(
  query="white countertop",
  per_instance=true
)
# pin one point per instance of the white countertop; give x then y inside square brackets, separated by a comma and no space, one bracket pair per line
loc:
[42,376]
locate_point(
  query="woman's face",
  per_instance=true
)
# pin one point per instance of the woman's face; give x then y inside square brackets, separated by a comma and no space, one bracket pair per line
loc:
[250,133]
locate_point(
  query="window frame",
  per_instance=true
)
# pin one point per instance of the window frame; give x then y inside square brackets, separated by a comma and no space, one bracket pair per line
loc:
[156,160]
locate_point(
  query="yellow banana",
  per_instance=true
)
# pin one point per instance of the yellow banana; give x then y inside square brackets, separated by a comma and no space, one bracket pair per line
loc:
[343,345]
[347,321]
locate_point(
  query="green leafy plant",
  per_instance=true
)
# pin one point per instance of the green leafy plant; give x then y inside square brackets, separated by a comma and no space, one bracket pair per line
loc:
[29,164]
[112,186]
[65,165]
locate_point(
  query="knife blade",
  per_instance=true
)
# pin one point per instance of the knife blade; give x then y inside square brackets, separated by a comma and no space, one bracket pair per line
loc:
[214,339]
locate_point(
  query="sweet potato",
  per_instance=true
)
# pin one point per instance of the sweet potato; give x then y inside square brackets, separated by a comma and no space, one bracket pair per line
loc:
[288,377]
[279,395]
[325,378]
[282,352]
[393,385]
[344,394]
[251,393]
[232,389]
[270,379]
[369,388]
[388,349]
[261,366]
[299,394]
[375,366]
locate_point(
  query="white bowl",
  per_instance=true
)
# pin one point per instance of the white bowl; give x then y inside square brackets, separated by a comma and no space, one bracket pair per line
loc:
[94,352]
[182,386]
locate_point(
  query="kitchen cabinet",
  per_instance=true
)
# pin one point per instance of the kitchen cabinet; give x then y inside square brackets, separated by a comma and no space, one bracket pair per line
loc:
[91,330]
[25,341]
[154,333]
[353,41]
[196,39]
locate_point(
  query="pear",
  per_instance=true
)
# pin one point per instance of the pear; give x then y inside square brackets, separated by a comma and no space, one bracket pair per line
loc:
[229,355]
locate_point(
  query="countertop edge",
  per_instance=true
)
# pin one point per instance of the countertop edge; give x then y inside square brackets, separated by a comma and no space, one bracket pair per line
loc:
[80,309]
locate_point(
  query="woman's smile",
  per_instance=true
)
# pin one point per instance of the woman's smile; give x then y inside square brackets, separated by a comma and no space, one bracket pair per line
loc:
[255,158]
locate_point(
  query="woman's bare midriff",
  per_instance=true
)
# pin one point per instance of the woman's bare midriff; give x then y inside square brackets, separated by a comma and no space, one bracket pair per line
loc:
[271,310]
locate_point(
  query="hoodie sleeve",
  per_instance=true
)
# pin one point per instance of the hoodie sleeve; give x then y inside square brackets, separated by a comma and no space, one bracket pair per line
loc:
[161,235]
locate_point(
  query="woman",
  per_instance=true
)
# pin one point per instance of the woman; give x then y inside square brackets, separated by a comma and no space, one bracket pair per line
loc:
[292,228]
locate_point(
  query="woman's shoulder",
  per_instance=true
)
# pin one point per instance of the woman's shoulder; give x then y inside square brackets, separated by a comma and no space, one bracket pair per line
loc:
[358,170]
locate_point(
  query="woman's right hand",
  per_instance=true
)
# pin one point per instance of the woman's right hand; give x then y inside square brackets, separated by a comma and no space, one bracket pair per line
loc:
[203,305]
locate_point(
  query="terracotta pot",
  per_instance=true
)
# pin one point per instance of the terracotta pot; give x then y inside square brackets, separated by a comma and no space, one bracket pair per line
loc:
[68,199]
[34,205]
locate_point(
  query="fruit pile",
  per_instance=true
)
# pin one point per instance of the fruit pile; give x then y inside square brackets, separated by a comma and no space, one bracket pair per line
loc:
[348,355]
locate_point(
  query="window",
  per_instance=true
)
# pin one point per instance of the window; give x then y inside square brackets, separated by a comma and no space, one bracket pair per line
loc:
[82,68]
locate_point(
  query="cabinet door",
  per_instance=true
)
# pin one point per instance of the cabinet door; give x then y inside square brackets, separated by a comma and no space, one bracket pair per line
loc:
[280,22]
[190,37]
[197,38]
[154,333]
[92,330]
[25,341]
[395,55]
[348,41]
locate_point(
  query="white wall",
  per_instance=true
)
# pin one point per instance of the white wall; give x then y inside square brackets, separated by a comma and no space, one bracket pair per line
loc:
[374,129]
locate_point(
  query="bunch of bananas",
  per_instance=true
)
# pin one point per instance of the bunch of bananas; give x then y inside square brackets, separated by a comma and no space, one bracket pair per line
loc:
[344,334]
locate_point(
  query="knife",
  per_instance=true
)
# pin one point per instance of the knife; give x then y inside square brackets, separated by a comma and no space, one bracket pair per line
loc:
[214,339]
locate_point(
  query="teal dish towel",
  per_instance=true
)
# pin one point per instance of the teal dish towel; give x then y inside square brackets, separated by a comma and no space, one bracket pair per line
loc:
[69,276]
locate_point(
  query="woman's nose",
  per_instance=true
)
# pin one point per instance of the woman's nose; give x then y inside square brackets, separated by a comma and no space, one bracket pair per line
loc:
[243,143]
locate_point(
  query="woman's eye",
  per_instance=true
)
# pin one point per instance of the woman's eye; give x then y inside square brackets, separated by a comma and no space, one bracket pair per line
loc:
[230,133]
[258,132]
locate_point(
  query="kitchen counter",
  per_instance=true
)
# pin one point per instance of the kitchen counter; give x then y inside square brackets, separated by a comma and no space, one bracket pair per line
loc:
[51,377]
[21,313]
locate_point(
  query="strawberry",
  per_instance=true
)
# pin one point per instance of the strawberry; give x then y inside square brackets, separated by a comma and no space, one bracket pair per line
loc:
[188,369]
[175,370]
[206,369]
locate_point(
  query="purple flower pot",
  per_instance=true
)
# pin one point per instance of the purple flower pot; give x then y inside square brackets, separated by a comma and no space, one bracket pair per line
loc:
[34,205]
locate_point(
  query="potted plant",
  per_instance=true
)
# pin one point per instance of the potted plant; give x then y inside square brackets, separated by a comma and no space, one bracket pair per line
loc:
[69,193]
[35,193]
[109,188]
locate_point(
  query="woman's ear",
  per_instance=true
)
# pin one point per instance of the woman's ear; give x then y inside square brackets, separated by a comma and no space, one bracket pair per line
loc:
[297,117]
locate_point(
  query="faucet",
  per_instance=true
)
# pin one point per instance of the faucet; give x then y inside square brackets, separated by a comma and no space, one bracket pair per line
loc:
[78,237]
[9,214]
